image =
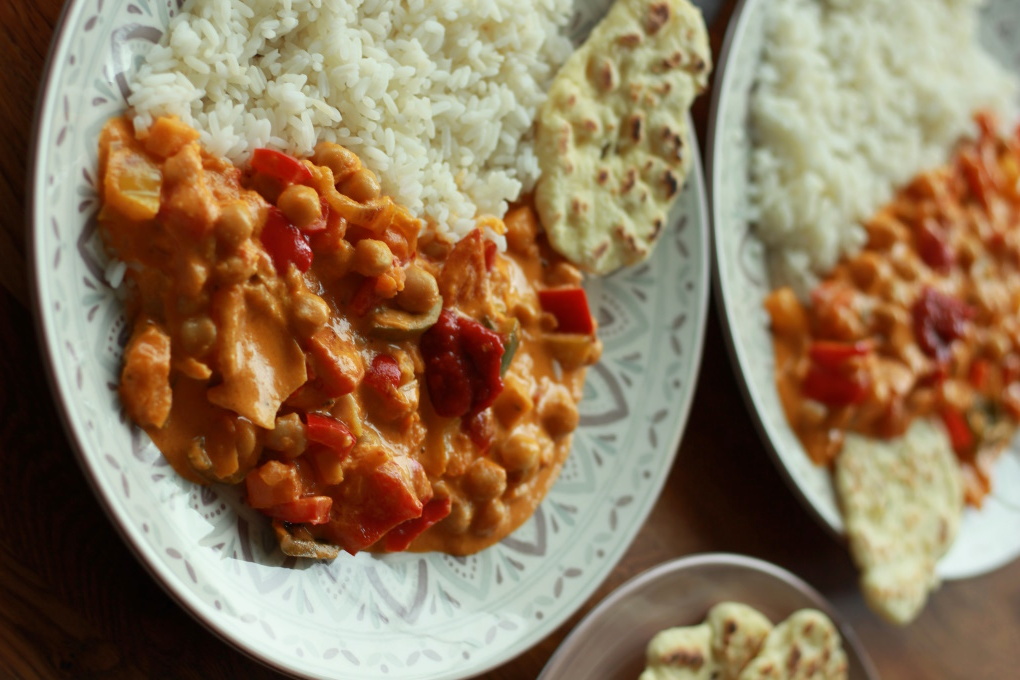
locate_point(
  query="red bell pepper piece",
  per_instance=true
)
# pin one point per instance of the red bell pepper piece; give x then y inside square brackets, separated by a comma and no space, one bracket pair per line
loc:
[330,432]
[364,298]
[570,307]
[978,374]
[384,374]
[960,434]
[308,510]
[831,353]
[400,537]
[281,167]
[285,243]
[932,246]
[834,388]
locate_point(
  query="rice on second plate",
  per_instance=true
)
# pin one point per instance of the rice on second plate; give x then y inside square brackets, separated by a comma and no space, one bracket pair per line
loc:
[437,98]
[852,99]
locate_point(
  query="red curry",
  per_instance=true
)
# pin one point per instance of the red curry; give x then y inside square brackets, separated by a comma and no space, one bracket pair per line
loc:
[292,333]
[923,322]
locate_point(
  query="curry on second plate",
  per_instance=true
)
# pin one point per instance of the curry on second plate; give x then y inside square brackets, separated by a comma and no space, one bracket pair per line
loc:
[920,323]
[290,332]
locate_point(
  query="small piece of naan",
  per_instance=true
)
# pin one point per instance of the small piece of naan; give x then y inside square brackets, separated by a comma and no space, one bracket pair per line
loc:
[902,501]
[738,632]
[682,653]
[806,646]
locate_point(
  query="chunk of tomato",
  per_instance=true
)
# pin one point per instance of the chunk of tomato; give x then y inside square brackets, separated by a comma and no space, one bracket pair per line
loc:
[307,510]
[939,319]
[384,374]
[376,500]
[285,243]
[463,362]
[400,537]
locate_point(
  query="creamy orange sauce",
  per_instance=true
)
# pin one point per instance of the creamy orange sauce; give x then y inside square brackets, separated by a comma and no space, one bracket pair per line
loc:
[923,322]
[291,333]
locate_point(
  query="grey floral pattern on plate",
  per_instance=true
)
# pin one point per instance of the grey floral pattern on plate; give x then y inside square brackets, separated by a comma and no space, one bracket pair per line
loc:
[395,616]
[988,538]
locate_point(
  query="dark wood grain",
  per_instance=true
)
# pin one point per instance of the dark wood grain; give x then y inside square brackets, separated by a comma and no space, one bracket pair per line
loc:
[74,602]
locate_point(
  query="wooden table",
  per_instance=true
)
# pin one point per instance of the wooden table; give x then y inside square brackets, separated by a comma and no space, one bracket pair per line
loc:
[74,602]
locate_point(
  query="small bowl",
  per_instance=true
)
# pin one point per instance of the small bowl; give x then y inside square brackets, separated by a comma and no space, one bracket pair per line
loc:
[610,641]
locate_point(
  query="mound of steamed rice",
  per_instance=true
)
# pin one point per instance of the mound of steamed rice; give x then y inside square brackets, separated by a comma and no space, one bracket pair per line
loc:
[853,98]
[437,97]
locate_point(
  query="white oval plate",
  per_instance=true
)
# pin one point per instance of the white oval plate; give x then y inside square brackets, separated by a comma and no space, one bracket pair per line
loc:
[988,538]
[610,642]
[396,616]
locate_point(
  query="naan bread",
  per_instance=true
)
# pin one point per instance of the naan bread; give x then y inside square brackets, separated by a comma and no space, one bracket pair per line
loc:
[613,140]
[806,646]
[738,632]
[902,501]
[683,653]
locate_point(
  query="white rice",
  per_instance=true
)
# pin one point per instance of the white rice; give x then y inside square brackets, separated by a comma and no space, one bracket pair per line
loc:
[437,97]
[852,99]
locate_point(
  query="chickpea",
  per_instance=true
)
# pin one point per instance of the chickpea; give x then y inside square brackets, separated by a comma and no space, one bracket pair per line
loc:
[968,252]
[235,223]
[884,230]
[310,313]
[527,314]
[886,318]
[484,480]
[339,160]
[564,274]
[371,257]
[865,269]
[520,452]
[300,204]
[334,264]
[246,444]
[489,518]
[362,186]
[192,277]
[559,412]
[521,227]
[997,344]
[198,334]
[904,262]
[420,292]
[288,437]
[460,518]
